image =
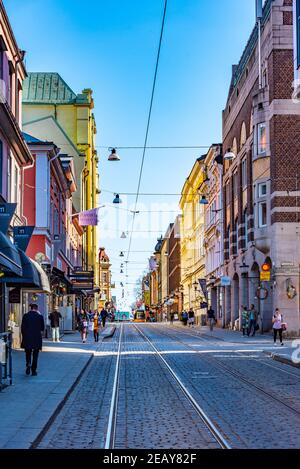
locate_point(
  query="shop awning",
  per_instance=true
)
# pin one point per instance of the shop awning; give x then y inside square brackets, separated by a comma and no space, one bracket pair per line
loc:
[10,260]
[30,278]
[44,281]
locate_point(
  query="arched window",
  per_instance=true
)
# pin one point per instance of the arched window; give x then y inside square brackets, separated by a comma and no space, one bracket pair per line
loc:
[243,135]
[234,147]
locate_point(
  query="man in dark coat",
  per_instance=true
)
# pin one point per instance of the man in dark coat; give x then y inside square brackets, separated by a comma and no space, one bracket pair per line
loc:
[32,328]
[103,316]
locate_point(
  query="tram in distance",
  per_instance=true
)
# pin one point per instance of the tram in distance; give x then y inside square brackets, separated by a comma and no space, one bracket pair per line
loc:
[139,315]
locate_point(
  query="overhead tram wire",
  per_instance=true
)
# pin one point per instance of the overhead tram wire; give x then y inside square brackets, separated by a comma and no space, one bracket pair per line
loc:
[148,122]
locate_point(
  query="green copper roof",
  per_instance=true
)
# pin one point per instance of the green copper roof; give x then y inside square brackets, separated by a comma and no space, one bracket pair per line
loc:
[47,88]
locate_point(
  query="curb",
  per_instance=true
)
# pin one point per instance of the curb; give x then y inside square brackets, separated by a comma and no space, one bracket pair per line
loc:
[44,430]
[282,359]
[110,334]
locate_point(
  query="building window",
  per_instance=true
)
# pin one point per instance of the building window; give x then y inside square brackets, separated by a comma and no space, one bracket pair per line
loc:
[244,173]
[235,237]
[235,184]
[246,227]
[262,214]
[261,138]
[262,190]
[59,264]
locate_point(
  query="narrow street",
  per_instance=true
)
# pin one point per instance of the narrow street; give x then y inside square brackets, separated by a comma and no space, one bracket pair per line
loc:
[176,389]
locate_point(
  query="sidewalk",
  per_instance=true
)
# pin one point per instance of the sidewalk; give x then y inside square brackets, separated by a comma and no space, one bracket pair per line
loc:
[27,405]
[281,354]
[226,335]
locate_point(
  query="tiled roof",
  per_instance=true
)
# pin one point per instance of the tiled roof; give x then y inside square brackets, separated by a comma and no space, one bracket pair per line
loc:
[47,88]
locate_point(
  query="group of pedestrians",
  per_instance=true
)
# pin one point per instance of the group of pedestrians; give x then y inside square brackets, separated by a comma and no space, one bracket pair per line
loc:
[91,321]
[249,321]
[188,318]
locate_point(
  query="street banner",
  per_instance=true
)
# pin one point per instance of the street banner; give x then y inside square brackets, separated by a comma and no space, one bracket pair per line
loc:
[146,284]
[147,297]
[152,264]
[6,213]
[202,282]
[22,236]
[89,217]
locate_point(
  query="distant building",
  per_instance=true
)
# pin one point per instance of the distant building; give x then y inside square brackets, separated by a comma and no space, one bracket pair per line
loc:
[192,240]
[53,112]
[104,278]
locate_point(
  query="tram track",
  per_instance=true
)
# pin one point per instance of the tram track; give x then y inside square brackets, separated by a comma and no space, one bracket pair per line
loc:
[113,421]
[233,372]
[206,338]
[204,417]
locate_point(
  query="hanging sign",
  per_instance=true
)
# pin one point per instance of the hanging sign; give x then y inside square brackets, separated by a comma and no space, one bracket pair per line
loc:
[6,213]
[89,217]
[22,236]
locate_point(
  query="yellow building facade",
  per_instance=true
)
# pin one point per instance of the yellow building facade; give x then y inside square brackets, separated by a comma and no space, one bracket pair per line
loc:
[53,112]
[192,240]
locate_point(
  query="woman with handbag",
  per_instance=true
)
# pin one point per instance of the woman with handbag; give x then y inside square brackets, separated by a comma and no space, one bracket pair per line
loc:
[278,326]
[83,321]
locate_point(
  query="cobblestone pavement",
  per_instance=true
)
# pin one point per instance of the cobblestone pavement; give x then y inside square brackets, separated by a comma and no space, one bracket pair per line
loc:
[253,401]
[248,417]
[152,411]
[82,423]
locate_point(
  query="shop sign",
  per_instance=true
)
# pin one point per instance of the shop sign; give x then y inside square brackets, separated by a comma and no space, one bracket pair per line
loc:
[225,281]
[14,296]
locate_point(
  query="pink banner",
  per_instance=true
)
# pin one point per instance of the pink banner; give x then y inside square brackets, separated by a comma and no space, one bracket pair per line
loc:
[89,218]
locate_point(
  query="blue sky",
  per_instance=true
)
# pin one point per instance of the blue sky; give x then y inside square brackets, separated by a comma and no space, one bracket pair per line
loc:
[110,46]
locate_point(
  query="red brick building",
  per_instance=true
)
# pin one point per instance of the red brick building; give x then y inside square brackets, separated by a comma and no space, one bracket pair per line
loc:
[261,127]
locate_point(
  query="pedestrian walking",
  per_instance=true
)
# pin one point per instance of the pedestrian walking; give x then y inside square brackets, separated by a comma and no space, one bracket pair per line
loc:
[245,321]
[191,316]
[253,318]
[96,324]
[184,317]
[83,321]
[211,318]
[277,326]
[103,316]
[31,328]
[172,319]
[54,318]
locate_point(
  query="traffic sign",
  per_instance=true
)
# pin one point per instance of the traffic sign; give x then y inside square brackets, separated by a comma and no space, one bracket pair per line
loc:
[265,276]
